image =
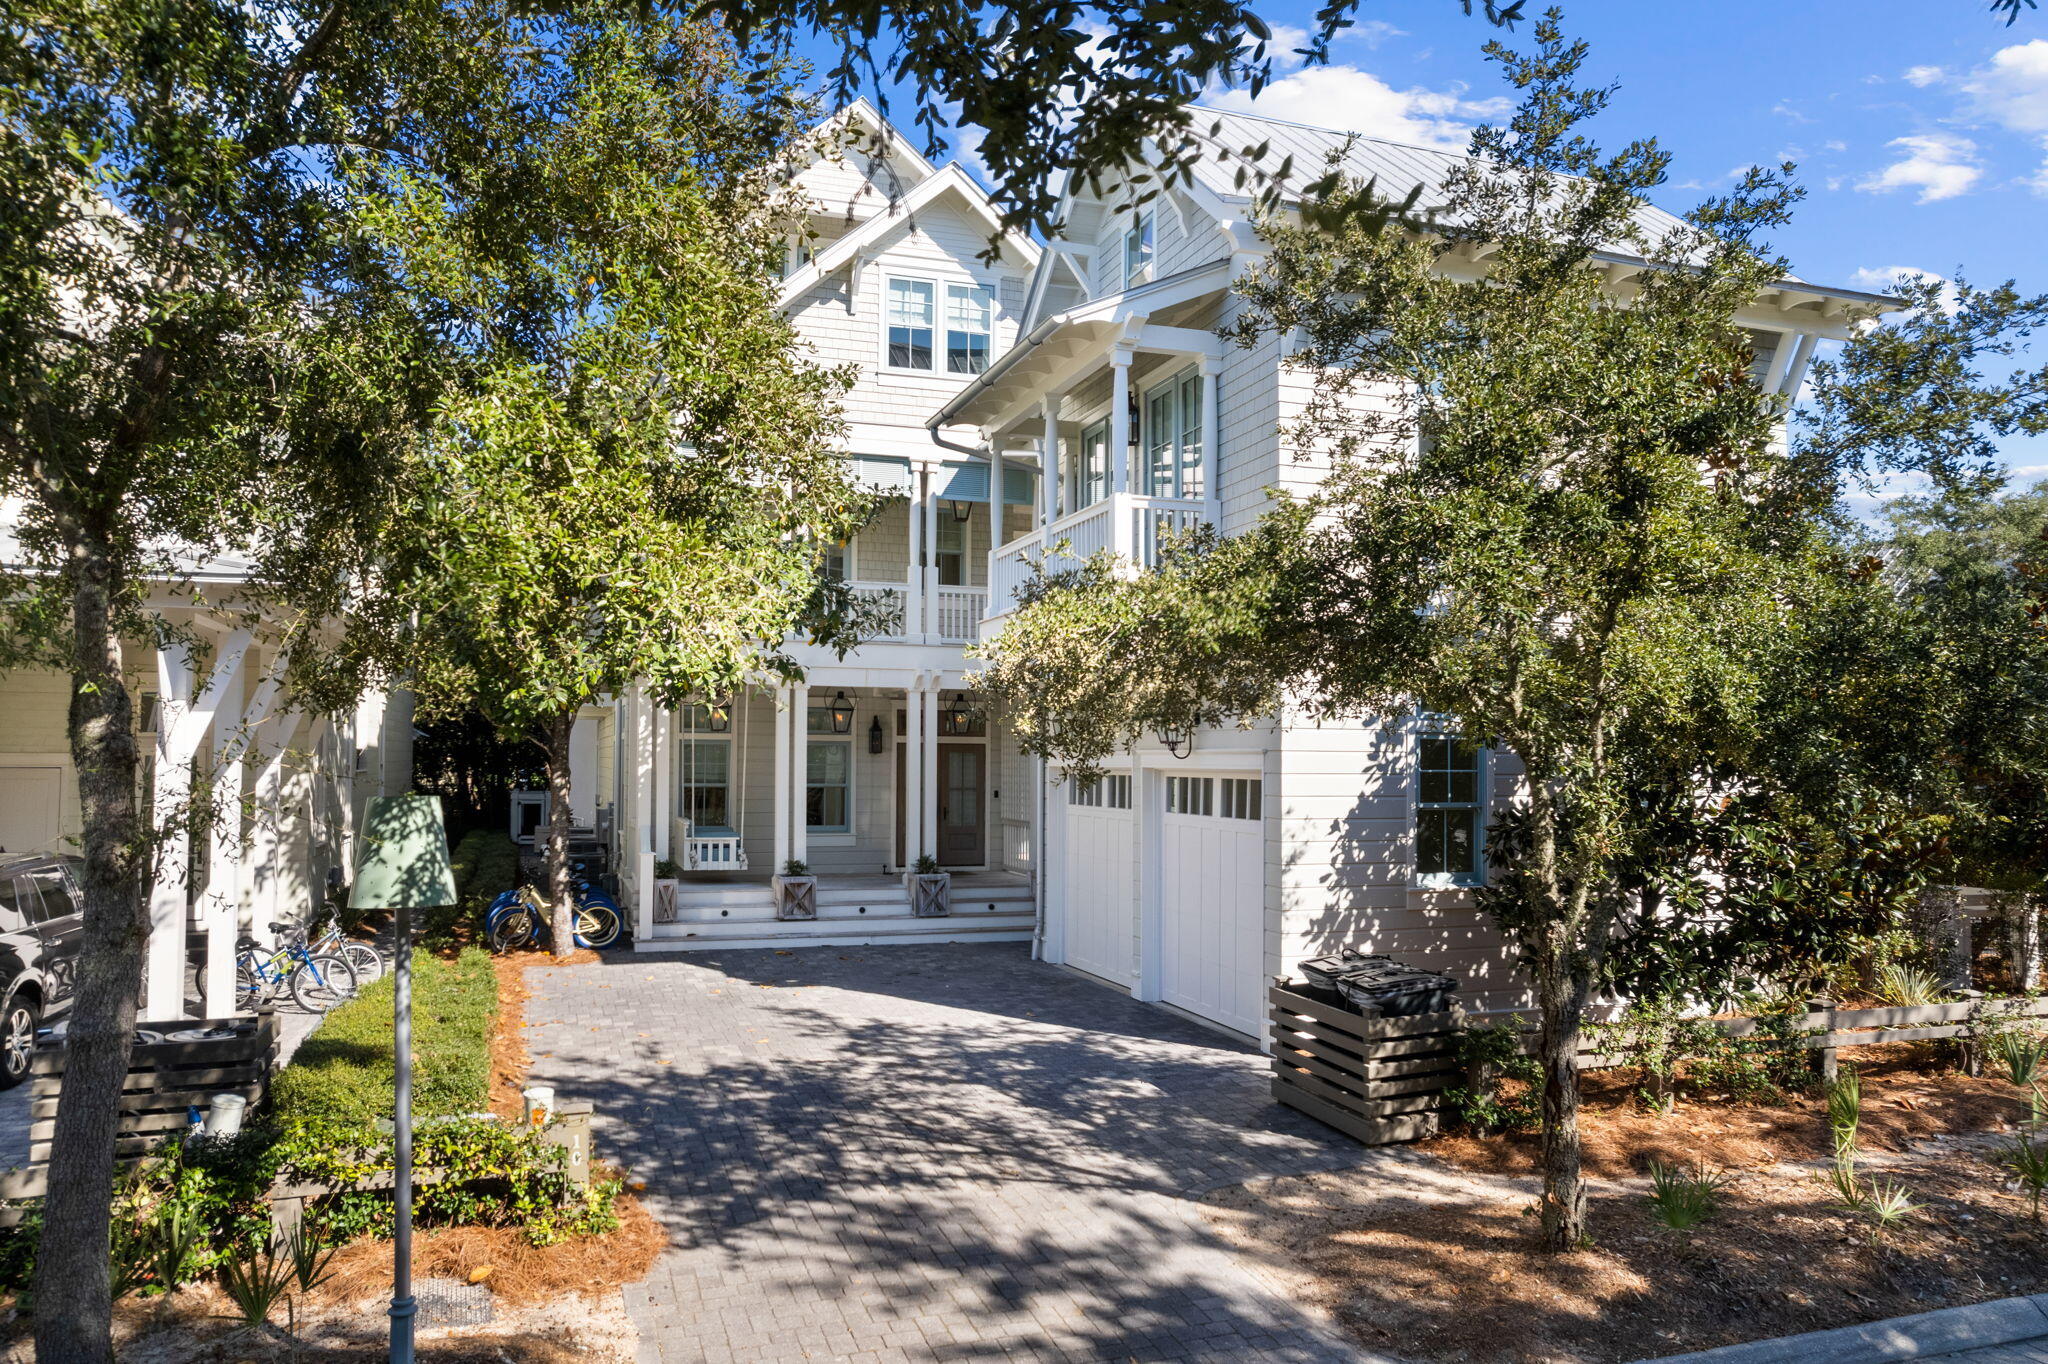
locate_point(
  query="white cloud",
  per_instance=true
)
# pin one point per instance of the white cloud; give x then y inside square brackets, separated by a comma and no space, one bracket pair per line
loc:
[1358,101]
[2013,90]
[1885,278]
[1936,164]
[1373,32]
[1924,76]
[1283,46]
[1834,144]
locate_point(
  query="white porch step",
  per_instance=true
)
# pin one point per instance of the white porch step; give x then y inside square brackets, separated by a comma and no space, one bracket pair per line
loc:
[871,931]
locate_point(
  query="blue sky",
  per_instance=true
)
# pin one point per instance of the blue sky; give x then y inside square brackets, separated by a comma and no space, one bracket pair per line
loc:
[1920,126]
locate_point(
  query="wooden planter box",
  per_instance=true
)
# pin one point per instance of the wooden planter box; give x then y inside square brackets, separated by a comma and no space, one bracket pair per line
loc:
[796,897]
[1379,1080]
[931,893]
[665,899]
[164,1080]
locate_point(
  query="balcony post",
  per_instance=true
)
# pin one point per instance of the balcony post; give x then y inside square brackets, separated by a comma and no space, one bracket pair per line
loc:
[1212,443]
[995,518]
[913,594]
[930,623]
[1120,420]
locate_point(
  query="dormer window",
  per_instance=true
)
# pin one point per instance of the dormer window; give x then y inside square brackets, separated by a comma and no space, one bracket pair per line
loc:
[1138,249]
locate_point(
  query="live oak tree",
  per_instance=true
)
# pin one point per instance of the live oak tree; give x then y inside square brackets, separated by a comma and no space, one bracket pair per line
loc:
[633,471]
[166,221]
[1554,515]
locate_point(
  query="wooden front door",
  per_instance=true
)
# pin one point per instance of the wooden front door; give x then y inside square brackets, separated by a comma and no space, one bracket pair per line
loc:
[963,822]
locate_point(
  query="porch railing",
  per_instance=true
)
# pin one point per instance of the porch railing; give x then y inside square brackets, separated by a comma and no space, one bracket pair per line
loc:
[1131,526]
[701,851]
[894,599]
[958,611]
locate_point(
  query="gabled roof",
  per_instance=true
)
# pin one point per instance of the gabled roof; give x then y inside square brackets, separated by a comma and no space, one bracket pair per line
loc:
[949,180]
[864,115]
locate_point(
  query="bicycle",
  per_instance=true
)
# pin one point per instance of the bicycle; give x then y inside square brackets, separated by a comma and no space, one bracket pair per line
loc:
[521,918]
[315,982]
[366,959]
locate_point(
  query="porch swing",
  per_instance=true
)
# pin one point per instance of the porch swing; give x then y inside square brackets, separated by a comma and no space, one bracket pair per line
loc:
[709,846]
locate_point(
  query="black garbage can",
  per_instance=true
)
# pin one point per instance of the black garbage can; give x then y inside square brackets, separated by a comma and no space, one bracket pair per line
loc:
[1379,986]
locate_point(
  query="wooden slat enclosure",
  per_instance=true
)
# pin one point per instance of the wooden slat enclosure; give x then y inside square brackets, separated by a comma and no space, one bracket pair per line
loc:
[1379,1080]
[164,1080]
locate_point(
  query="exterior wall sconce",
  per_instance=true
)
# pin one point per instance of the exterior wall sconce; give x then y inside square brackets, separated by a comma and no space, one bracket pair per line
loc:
[1179,742]
[841,711]
[718,718]
[963,511]
[875,735]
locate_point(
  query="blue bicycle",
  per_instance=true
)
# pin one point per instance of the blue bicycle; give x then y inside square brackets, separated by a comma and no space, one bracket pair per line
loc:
[316,982]
[521,918]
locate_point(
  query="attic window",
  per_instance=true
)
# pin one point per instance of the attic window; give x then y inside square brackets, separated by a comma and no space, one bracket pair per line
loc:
[1138,249]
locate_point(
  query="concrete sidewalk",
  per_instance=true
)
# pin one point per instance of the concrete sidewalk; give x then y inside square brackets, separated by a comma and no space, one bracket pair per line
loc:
[2007,1331]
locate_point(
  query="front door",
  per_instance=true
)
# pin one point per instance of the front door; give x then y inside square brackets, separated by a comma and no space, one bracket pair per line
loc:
[963,826]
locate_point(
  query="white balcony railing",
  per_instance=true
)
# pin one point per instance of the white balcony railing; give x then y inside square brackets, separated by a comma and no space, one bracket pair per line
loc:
[1130,526]
[894,599]
[957,612]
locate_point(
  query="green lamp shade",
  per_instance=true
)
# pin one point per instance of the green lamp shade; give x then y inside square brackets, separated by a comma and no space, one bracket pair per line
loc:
[404,858]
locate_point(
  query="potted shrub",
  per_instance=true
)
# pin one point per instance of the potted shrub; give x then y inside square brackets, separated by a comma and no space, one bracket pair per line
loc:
[668,878]
[796,891]
[931,890]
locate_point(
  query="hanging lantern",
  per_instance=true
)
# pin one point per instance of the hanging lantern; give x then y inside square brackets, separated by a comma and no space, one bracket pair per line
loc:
[960,717]
[841,711]
[717,718]
[963,511]
[1179,742]
[875,739]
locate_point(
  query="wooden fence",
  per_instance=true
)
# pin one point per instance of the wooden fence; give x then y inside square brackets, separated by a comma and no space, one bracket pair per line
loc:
[1382,1080]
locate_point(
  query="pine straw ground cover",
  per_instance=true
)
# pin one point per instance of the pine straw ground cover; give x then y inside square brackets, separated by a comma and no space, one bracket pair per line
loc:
[1427,1253]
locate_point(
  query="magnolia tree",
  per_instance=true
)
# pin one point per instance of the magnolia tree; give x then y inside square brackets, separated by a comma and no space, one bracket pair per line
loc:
[1559,516]
[629,478]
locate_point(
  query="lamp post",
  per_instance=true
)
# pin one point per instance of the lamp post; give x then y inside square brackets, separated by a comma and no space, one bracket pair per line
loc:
[403,866]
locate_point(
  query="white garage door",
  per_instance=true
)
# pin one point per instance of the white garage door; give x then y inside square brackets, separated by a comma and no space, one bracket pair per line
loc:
[29,808]
[1099,875]
[1213,899]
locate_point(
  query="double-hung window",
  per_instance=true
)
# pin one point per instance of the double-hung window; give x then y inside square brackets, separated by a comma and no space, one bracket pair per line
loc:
[909,313]
[828,786]
[970,316]
[1173,437]
[1450,825]
[706,794]
[1138,249]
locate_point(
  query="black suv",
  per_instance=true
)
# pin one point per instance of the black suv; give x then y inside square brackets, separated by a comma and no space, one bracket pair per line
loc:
[41,926]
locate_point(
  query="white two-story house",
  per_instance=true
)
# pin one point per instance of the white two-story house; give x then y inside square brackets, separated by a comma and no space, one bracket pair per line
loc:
[1107,413]
[879,759]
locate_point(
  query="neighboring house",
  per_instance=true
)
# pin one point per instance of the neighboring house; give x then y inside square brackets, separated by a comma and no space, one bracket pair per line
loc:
[279,791]
[1190,874]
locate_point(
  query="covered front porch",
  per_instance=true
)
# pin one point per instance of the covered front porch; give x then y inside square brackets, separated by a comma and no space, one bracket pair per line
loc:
[851,778]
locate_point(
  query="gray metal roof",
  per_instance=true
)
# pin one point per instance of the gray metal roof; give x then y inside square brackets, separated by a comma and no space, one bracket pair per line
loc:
[1397,166]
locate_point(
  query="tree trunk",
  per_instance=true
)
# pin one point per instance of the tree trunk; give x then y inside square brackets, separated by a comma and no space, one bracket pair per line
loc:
[2023,939]
[73,1305]
[1562,1002]
[561,892]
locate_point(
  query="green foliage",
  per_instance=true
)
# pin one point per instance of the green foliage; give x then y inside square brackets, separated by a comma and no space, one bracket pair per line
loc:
[796,866]
[1906,986]
[1682,1199]
[926,864]
[1694,1055]
[257,1281]
[1493,1059]
[2019,1054]
[1888,1204]
[2027,1160]
[485,863]
[343,1072]
[1845,1114]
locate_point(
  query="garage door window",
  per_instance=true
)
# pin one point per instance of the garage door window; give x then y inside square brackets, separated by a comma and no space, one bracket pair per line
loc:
[1243,798]
[1110,792]
[1191,796]
[1448,826]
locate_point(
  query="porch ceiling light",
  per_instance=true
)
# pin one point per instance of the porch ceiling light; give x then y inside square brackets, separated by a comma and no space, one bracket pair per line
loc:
[963,511]
[841,711]
[1179,742]
[960,717]
[718,718]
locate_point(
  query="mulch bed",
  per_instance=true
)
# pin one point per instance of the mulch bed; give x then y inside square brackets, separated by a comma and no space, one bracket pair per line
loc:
[1447,1270]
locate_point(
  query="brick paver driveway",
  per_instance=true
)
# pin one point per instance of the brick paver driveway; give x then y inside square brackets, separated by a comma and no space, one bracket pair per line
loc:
[926,1153]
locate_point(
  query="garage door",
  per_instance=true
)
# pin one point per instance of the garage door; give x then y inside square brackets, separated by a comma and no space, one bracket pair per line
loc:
[29,808]
[1213,899]
[1099,875]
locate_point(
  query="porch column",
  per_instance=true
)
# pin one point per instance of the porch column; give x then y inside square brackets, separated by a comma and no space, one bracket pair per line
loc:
[911,815]
[642,749]
[799,772]
[219,910]
[1049,462]
[267,837]
[928,810]
[1120,420]
[913,597]
[664,779]
[1212,443]
[779,779]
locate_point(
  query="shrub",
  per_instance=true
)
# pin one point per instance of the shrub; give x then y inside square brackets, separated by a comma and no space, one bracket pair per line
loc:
[343,1073]
[2019,1055]
[1695,1055]
[1493,1060]
[1906,986]
[1682,1199]
[1845,1113]
[485,862]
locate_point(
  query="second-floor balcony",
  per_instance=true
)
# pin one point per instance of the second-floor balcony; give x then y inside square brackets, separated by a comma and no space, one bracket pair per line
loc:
[1129,525]
[948,615]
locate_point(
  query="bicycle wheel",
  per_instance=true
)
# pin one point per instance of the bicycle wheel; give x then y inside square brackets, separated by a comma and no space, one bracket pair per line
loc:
[321,983]
[597,926]
[365,960]
[513,929]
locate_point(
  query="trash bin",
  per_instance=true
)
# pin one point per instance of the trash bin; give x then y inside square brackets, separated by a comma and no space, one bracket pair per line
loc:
[1378,986]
